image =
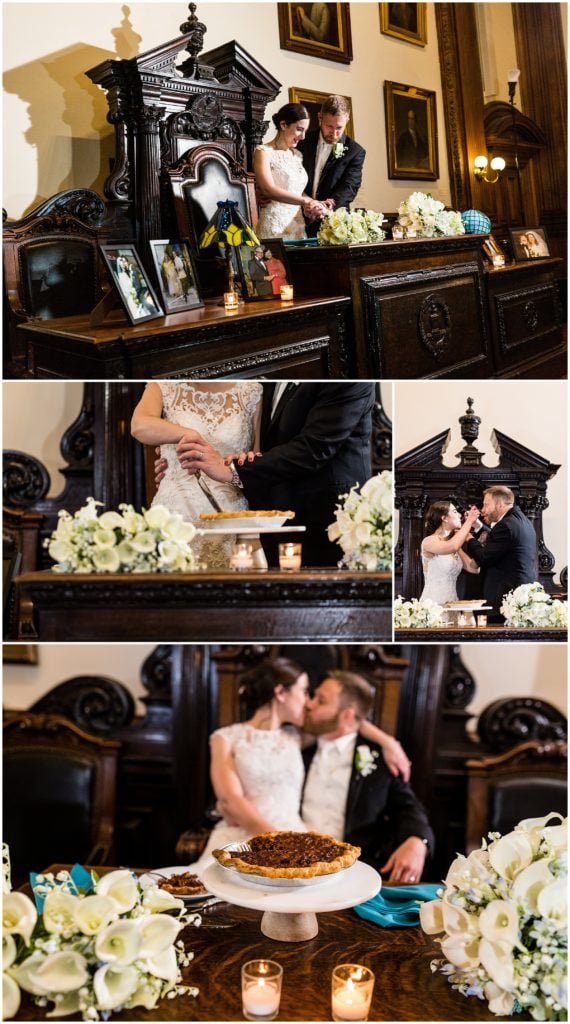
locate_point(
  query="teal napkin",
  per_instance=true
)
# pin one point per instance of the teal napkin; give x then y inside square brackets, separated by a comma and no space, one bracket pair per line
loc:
[397,906]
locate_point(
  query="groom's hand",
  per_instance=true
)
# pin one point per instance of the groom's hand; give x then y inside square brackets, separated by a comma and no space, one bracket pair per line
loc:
[194,455]
[406,864]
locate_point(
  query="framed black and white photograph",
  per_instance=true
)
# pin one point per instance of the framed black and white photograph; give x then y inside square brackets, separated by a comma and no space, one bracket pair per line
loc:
[313,101]
[132,285]
[529,243]
[263,270]
[411,132]
[318,30]
[176,275]
[404,21]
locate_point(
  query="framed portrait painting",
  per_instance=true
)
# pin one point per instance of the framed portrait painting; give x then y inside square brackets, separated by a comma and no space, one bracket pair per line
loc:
[529,243]
[263,270]
[319,30]
[404,21]
[175,274]
[313,101]
[411,132]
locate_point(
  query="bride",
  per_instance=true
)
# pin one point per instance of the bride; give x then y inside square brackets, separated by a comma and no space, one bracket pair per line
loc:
[225,414]
[256,766]
[442,554]
[280,178]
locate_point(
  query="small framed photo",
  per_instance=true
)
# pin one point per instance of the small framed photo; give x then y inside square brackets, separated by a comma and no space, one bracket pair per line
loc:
[130,280]
[529,243]
[313,101]
[263,270]
[404,21]
[319,30]
[176,275]
[411,132]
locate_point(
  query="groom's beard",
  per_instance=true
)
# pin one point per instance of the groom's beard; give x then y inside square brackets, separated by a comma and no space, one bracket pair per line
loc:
[321,727]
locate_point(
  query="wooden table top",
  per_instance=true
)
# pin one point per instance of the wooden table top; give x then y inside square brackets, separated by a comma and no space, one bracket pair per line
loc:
[489,634]
[405,988]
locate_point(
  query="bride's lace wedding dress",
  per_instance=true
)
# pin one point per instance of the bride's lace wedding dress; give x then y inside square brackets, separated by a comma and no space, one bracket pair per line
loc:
[440,575]
[224,414]
[270,768]
[283,220]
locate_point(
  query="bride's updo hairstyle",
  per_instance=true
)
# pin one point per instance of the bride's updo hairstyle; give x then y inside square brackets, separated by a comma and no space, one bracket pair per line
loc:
[436,513]
[258,684]
[290,114]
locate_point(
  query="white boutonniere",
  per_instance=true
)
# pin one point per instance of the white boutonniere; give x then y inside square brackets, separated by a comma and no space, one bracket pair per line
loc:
[365,760]
[339,149]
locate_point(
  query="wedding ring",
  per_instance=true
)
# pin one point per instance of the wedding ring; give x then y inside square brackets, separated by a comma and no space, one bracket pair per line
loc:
[412,878]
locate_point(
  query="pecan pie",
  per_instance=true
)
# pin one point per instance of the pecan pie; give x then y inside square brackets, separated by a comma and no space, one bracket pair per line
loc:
[184,884]
[247,513]
[290,855]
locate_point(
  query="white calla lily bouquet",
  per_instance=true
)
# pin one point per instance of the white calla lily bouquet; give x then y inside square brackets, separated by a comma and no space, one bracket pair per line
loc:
[416,614]
[503,915]
[344,227]
[428,217]
[530,605]
[363,525]
[154,540]
[93,945]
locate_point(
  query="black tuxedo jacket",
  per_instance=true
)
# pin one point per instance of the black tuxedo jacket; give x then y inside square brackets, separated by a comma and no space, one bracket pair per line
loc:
[315,448]
[258,273]
[509,556]
[341,176]
[381,811]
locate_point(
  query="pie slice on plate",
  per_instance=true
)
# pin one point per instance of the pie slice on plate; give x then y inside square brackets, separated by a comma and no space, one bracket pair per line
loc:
[288,855]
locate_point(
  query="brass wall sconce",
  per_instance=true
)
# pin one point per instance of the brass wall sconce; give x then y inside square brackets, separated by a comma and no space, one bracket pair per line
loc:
[480,168]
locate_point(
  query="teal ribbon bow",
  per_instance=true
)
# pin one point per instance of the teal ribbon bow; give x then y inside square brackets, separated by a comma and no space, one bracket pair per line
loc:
[397,906]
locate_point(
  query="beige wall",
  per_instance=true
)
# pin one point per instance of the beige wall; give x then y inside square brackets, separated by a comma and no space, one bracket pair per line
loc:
[55,118]
[534,413]
[510,671]
[35,415]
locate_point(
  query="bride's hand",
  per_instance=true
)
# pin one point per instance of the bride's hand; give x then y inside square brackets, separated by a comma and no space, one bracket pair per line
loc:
[241,457]
[194,455]
[397,761]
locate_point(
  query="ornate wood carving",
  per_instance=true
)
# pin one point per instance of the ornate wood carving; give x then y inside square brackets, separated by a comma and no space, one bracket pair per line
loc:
[381,435]
[513,720]
[95,703]
[161,106]
[422,477]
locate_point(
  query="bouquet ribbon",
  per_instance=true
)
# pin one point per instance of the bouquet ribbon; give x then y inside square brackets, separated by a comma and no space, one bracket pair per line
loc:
[79,880]
[397,906]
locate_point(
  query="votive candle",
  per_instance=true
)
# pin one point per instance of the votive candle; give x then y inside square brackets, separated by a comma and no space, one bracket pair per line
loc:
[352,987]
[286,292]
[231,301]
[290,557]
[242,556]
[498,261]
[261,989]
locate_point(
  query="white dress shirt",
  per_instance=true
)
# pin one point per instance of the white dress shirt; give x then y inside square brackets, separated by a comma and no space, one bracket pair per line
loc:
[326,788]
[322,155]
[279,389]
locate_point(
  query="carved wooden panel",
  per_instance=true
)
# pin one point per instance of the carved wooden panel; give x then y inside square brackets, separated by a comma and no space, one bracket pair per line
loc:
[428,323]
[526,315]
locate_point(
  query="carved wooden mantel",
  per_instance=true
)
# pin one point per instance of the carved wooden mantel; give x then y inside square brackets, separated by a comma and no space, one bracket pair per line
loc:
[161,107]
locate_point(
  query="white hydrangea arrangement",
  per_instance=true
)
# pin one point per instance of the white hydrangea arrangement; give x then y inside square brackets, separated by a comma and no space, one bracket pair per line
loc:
[503,915]
[428,217]
[363,524]
[530,605]
[341,227]
[416,614]
[93,945]
[154,540]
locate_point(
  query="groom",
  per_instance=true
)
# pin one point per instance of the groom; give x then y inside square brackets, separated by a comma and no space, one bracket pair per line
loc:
[509,552]
[332,160]
[349,792]
[315,440]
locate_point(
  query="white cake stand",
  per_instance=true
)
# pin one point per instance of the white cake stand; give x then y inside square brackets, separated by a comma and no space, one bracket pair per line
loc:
[290,914]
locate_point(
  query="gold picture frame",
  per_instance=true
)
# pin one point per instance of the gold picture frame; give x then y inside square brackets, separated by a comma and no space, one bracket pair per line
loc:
[20,654]
[313,101]
[405,21]
[329,38]
[412,154]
